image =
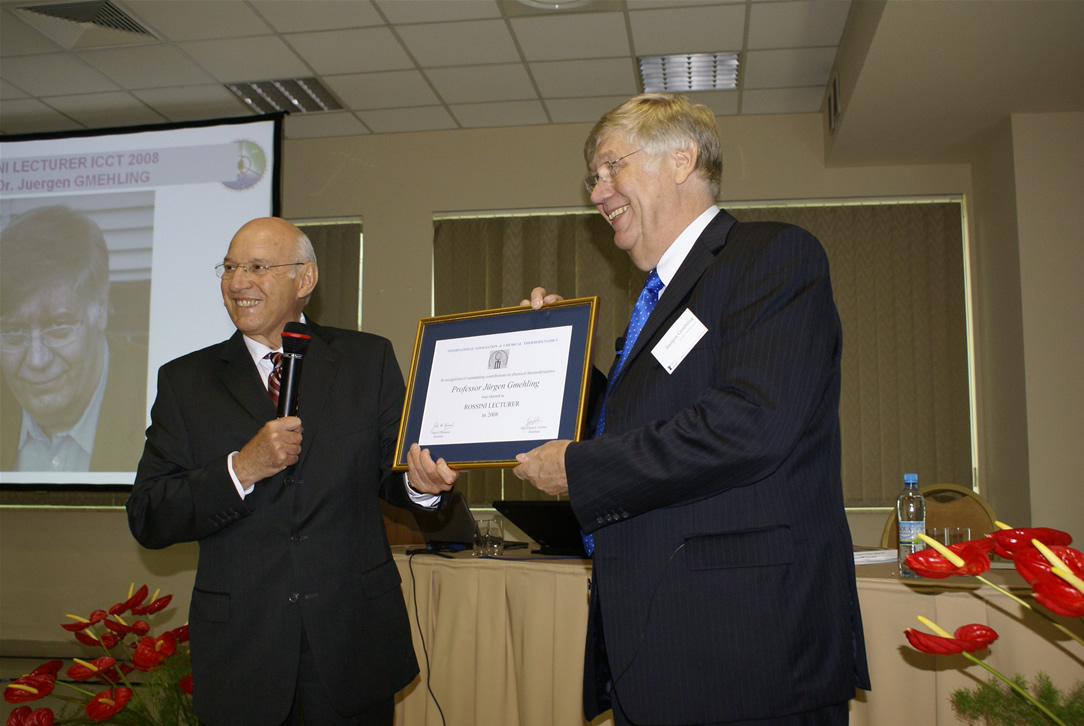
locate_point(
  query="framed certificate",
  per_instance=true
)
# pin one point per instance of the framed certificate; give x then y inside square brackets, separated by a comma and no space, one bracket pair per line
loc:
[488,385]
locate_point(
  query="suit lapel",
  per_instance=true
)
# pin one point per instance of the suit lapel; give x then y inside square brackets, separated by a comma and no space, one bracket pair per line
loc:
[700,256]
[241,380]
[318,371]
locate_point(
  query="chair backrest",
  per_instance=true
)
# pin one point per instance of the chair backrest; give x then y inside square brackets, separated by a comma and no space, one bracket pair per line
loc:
[948,505]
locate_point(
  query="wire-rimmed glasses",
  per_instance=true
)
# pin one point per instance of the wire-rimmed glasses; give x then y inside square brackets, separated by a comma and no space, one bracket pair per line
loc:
[227,270]
[593,179]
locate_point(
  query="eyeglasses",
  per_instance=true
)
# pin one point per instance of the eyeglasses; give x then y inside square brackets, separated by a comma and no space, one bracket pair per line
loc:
[17,340]
[252,269]
[592,180]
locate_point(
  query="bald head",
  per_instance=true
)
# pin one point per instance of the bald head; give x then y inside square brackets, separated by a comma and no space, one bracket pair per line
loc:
[274,273]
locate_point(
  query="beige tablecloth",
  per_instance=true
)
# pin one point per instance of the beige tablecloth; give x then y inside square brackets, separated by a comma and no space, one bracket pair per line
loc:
[504,641]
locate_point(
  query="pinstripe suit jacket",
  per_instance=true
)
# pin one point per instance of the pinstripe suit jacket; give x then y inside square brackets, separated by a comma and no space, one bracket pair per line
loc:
[723,569]
[305,547]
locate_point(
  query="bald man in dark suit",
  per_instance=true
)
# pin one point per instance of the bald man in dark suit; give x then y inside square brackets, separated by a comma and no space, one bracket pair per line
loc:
[296,610]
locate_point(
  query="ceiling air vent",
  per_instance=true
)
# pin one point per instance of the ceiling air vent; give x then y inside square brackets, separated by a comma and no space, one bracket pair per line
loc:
[289,95]
[94,24]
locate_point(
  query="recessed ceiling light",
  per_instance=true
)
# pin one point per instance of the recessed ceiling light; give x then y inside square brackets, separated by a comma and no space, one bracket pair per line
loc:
[689,72]
[555,4]
[288,95]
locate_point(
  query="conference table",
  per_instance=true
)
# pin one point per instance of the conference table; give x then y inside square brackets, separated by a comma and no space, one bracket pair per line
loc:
[500,641]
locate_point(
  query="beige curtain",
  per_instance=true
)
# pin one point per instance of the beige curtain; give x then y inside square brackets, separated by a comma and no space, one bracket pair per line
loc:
[338,256]
[897,274]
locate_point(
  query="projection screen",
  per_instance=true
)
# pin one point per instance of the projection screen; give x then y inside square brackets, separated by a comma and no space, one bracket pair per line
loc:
[108,242]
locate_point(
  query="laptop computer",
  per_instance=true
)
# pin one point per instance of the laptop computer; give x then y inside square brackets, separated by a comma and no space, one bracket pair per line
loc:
[549,523]
[450,527]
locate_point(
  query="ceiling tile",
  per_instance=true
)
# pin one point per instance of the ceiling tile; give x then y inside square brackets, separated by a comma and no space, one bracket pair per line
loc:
[503,113]
[400,120]
[688,30]
[31,116]
[783,100]
[788,68]
[582,110]
[365,91]
[722,103]
[351,51]
[54,74]
[797,24]
[641,4]
[567,37]
[247,59]
[147,66]
[322,125]
[299,16]
[94,110]
[437,11]
[8,91]
[477,84]
[193,103]
[459,44]
[197,19]
[16,38]
[603,77]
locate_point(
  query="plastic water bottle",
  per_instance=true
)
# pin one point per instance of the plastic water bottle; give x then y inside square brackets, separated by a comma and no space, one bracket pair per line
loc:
[911,515]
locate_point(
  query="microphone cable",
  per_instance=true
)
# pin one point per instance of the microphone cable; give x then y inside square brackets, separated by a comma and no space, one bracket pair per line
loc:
[421,635]
[647,619]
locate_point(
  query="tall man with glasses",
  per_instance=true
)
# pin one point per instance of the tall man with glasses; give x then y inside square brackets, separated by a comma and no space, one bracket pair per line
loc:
[723,576]
[72,397]
[296,610]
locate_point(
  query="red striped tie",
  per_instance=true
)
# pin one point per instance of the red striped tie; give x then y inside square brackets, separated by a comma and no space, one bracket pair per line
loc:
[275,379]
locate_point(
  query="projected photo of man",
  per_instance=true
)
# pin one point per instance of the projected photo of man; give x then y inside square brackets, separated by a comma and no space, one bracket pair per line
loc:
[72,397]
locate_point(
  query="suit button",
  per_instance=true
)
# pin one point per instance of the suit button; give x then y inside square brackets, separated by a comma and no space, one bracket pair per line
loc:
[294,597]
[296,539]
[288,481]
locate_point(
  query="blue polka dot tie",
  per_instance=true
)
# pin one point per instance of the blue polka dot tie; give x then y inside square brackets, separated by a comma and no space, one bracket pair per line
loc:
[649,296]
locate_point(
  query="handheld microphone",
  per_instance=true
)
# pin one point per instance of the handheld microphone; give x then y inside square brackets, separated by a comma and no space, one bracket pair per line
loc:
[295,340]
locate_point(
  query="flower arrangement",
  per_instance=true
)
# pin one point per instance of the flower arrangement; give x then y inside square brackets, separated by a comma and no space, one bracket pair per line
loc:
[1055,572]
[162,696]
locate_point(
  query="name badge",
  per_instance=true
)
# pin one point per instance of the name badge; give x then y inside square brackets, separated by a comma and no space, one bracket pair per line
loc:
[678,341]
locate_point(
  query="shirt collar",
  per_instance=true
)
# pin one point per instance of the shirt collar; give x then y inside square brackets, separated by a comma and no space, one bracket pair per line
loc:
[677,252]
[258,350]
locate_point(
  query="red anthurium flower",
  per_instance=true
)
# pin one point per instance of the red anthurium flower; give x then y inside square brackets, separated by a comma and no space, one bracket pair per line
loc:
[85,670]
[1057,595]
[185,684]
[29,688]
[154,606]
[52,668]
[150,652]
[95,617]
[1031,563]
[107,641]
[139,627]
[137,598]
[1007,542]
[87,639]
[931,563]
[967,637]
[181,633]
[23,716]
[107,703]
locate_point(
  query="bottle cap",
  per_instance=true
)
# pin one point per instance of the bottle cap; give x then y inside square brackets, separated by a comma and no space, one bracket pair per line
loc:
[910,478]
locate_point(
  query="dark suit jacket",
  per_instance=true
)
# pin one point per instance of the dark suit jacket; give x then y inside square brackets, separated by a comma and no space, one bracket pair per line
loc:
[306,547]
[122,419]
[723,569]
